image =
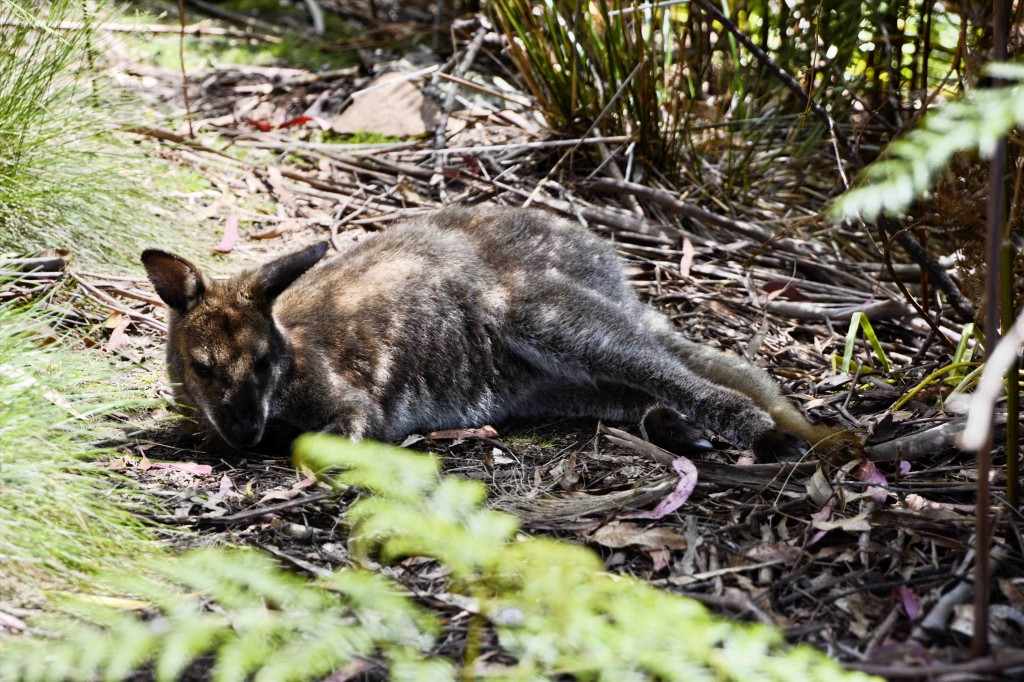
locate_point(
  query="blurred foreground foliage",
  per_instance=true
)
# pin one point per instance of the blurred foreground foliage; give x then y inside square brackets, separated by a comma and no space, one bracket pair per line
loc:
[553,610]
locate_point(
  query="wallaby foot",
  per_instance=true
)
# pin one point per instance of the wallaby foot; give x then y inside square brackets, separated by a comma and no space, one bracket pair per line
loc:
[779,444]
[671,431]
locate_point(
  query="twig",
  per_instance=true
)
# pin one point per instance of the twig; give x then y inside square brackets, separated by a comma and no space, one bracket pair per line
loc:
[920,444]
[936,273]
[667,201]
[515,146]
[117,305]
[253,513]
[310,568]
[996,214]
[181,60]
[132,293]
[887,262]
[316,16]
[508,97]
[53,264]
[197,29]
[619,220]
[441,132]
[291,175]
[235,17]
[392,81]
[801,310]
[1003,662]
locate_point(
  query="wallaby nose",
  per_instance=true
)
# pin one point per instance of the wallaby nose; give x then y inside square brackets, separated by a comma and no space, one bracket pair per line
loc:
[243,433]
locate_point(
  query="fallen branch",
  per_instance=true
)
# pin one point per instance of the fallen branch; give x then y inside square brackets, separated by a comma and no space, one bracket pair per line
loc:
[441,132]
[800,310]
[198,29]
[665,200]
[1004,662]
[922,443]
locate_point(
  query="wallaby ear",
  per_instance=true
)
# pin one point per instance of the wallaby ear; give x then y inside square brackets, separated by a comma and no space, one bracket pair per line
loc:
[178,282]
[276,276]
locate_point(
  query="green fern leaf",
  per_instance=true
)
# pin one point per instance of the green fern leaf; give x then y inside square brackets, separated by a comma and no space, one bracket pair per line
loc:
[910,164]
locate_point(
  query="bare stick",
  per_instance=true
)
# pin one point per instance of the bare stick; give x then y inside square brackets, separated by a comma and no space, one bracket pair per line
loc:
[197,29]
[1001,662]
[441,133]
[181,60]
[786,79]
[316,16]
[993,279]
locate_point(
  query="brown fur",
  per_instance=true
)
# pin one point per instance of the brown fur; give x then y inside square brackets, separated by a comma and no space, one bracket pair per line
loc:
[459,318]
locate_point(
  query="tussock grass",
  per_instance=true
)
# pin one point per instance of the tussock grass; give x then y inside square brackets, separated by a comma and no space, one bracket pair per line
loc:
[594,71]
[701,108]
[66,180]
[62,517]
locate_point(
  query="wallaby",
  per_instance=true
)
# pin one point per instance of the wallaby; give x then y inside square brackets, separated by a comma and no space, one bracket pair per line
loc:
[458,318]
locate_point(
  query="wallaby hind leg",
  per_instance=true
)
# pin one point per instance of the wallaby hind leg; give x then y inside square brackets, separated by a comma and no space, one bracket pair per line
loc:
[737,373]
[604,341]
[663,426]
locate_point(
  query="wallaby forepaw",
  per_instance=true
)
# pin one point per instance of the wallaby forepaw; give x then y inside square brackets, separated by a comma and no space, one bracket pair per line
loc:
[779,444]
[670,431]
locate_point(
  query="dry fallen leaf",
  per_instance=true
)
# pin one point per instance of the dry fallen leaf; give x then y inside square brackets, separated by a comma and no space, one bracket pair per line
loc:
[397,109]
[686,260]
[823,514]
[486,431]
[276,180]
[226,486]
[618,534]
[679,495]
[118,336]
[818,489]
[230,238]
[909,601]
[288,494]
[854,524]
[773,551]
[869,473]
[187,467]
[272,233]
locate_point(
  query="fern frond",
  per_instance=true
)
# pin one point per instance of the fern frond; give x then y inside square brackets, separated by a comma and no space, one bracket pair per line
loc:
[551,604]
[264,621]
[911,163]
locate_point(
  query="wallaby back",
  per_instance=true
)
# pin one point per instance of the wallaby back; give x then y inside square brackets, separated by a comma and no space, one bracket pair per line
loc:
[461,317]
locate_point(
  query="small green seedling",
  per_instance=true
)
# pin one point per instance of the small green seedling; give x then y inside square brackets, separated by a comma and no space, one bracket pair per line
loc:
[859,321]
[962,370]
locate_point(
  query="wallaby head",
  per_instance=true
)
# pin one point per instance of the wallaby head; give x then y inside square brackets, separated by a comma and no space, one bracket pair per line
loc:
[225,353]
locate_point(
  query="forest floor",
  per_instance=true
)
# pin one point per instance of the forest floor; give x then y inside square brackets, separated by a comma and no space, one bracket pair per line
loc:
[873,576]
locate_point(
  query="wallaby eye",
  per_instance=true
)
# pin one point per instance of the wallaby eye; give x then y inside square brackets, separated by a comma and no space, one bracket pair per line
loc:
[201,370]
[262,363]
